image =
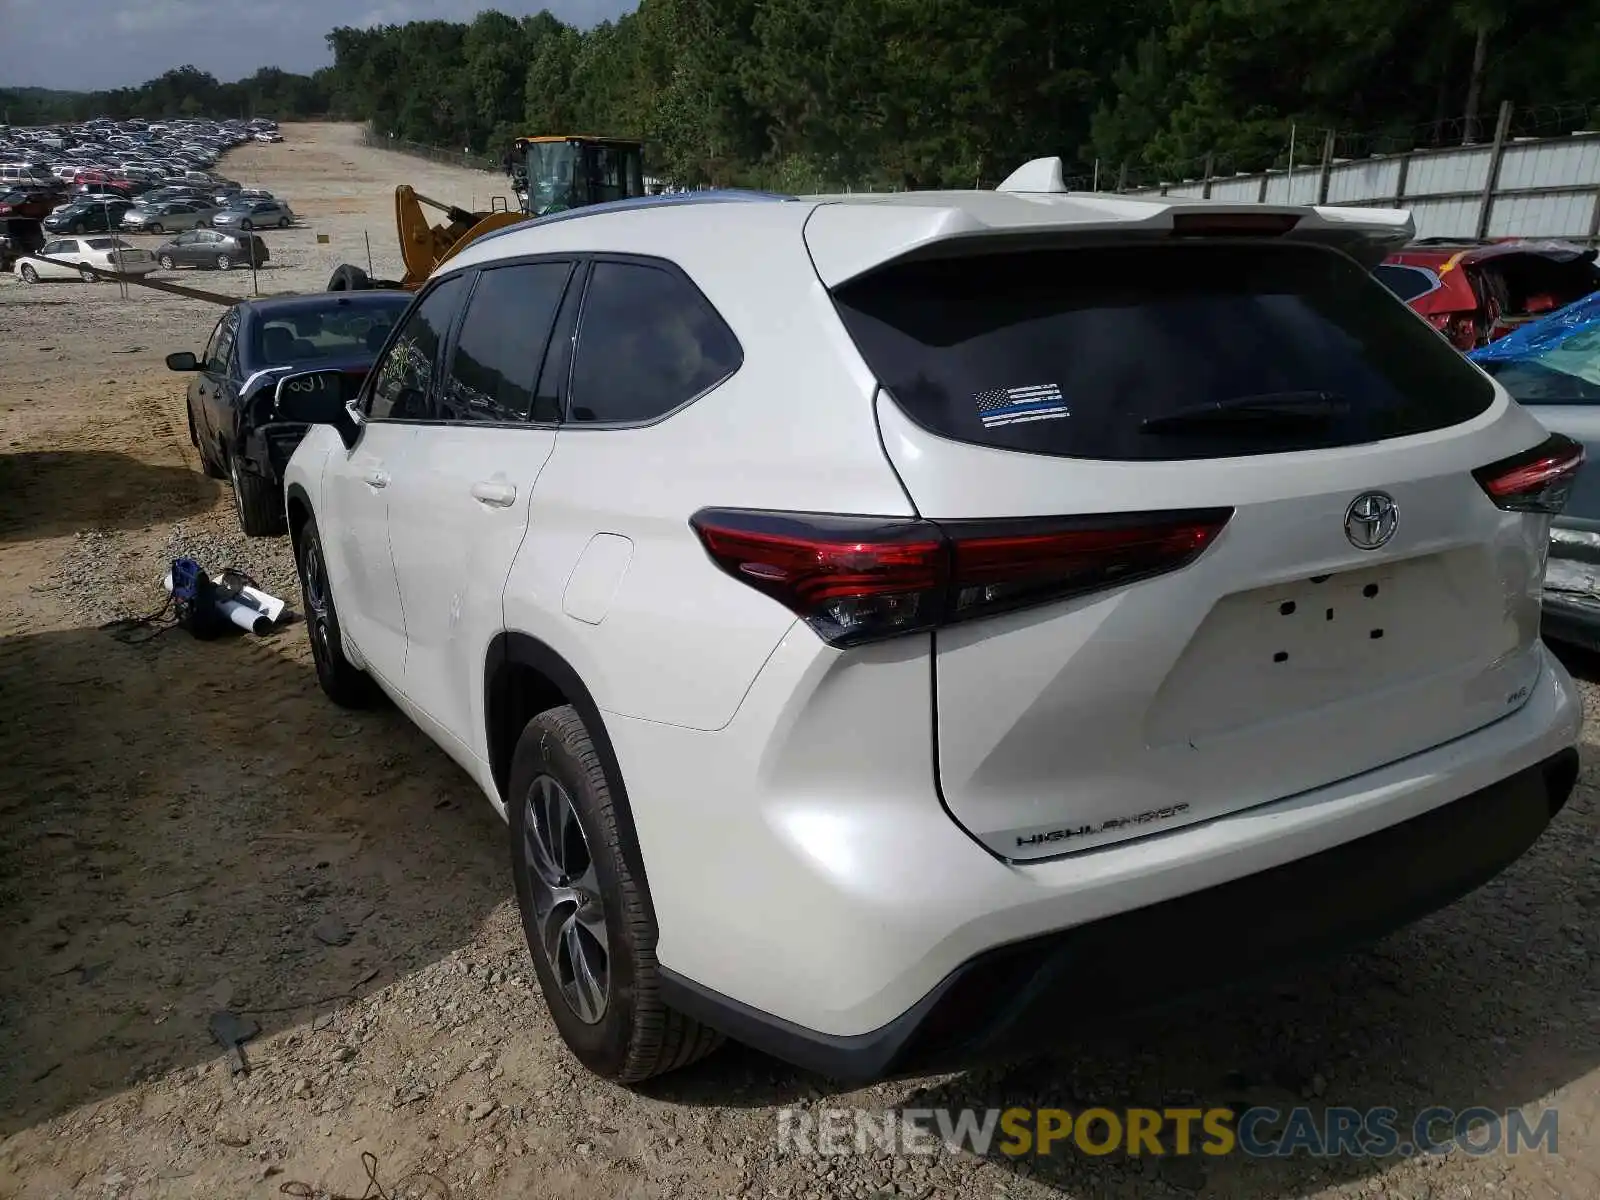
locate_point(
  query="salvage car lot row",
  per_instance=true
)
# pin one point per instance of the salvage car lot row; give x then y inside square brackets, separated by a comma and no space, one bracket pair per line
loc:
[192,829]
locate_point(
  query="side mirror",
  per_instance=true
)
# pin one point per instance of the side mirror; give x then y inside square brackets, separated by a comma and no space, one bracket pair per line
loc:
[182,361]
[317,398]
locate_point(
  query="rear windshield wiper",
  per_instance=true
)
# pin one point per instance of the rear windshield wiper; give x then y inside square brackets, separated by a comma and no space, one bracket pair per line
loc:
[1267,411]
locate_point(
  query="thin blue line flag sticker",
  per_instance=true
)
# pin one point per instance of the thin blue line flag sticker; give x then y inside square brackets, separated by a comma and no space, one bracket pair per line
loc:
[1014,406]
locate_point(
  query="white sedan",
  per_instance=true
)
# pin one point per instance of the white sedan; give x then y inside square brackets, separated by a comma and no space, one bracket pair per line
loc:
[71,258]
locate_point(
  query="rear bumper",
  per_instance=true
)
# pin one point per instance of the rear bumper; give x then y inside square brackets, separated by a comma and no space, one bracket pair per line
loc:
[1013,1000]
[813,897]
[1571,620]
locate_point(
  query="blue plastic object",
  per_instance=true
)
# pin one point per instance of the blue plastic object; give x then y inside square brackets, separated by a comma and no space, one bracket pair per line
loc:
[1543,334]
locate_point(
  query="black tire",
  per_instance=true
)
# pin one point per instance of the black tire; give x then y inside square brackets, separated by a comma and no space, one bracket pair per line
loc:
[209,468]
[88,276]
[630,1035]
[246,224]
[283,222]
[156,228]
[166,262]
[348,278]
[29,275]
[345,684]
[78,227]
[259,502]
[224,262]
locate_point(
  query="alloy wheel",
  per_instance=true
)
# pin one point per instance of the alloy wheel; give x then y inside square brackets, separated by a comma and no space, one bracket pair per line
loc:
[569,914]
[315,585]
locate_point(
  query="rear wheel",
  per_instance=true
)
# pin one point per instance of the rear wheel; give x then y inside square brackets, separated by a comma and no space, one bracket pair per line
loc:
[348,278]
[585,910]
[342,682]
[259,501]
[283,222]
[88,276]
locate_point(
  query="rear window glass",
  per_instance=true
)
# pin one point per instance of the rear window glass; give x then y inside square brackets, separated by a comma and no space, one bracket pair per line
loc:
[339,331]
[1073,352]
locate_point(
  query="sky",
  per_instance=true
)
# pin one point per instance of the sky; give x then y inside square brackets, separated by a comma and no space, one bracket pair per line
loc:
[94,45]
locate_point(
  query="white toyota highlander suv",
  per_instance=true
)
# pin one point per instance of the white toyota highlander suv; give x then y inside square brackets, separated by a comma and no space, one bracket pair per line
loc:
[895,625]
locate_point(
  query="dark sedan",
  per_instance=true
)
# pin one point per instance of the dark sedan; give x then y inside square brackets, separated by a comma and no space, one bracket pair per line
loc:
[212,248]
[89,217]
[232,417]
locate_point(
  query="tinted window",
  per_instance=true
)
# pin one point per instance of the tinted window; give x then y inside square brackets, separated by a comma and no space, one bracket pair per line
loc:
[217,361]
[1071,352]
[404,378]
[648,341]
[1406,282]
[502,343]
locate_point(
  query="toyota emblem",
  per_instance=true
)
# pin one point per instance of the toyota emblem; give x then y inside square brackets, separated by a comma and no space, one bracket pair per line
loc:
[1371,519]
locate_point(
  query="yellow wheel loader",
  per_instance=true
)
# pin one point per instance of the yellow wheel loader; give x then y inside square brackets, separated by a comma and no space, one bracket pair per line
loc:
[548,174]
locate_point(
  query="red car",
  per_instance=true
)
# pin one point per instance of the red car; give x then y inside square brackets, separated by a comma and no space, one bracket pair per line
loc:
[101,180]
[1475,292]
[25,204]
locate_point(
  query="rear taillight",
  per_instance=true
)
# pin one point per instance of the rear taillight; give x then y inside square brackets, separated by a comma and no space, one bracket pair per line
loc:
[1005,565]
[857,579]
[852,578]
[1537,480]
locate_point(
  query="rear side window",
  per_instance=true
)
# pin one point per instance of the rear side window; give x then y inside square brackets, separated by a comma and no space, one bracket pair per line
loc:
[1074,352]
[1406,282]
[648,341]
[502,343]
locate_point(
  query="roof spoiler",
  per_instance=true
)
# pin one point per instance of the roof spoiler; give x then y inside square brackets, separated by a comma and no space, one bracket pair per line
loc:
[1368,235]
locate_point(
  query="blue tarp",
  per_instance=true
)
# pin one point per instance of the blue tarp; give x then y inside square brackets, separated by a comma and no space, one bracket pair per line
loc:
[1538,336]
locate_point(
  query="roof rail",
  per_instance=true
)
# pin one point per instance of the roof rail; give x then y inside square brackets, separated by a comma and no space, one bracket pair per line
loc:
[668,200]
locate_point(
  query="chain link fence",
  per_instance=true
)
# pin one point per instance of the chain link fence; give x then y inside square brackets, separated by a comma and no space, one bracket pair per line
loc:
[450,158]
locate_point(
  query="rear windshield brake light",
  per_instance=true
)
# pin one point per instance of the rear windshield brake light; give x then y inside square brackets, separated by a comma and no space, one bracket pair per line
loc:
[1233,224]
[859,579]
[1537,480]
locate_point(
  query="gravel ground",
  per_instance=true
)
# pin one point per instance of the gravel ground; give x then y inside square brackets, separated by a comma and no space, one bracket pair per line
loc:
[187,827]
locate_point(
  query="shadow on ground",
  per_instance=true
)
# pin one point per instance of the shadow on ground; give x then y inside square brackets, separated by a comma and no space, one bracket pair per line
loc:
[1490,1002]
[47,494]
[186,827]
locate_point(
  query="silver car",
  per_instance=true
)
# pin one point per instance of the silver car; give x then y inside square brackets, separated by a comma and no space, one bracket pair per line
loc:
[168,215]
[1552,368]
[257,214]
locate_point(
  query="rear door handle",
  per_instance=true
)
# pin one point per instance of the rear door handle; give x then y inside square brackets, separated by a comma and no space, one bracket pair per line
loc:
[376,478]
[498,495]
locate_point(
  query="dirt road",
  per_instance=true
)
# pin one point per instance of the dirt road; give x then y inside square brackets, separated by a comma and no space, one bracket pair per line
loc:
[189,827]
